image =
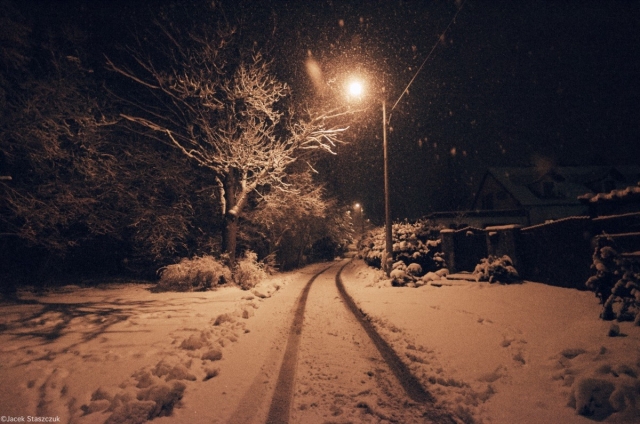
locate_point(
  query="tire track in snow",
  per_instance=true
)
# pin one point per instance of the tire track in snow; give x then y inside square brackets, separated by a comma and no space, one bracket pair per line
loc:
[281,402]
[283,399]
[409,382]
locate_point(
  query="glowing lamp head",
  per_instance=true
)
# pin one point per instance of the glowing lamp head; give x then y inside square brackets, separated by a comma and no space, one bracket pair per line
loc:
[355,89]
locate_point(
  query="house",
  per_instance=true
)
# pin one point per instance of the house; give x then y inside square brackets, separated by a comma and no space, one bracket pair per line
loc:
[530,196]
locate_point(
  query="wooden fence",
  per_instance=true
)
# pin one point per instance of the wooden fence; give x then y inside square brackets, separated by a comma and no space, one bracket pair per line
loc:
[558,253]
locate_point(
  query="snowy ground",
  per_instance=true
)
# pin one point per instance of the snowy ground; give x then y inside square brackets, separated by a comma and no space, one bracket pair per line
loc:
[497,354]
[524,353]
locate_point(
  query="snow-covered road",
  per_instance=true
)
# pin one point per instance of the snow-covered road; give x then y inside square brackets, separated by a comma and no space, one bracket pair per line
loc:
[495,354]
[308,360]
[340,374]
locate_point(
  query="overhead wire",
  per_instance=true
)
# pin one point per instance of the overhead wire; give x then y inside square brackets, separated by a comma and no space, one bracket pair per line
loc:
[406,90]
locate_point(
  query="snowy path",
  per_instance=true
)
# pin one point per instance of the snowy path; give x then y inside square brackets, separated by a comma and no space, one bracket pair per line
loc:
[305,359]
[495,354]
[315,364]
[340,374]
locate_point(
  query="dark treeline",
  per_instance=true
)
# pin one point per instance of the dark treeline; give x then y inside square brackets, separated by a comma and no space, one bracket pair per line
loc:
[87,191]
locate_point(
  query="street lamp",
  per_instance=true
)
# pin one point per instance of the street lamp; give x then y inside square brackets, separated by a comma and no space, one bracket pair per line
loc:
[356,90]
[360,211]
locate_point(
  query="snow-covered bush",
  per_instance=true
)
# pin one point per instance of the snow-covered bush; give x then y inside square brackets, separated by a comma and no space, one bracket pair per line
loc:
[198,273]
[496,270]
[399,265]
[591,397]
[433,277]
[414,269]
[616,283]
[413,243]
[402,275]
[399,277]
[442,273]
[249,271]
[611,389]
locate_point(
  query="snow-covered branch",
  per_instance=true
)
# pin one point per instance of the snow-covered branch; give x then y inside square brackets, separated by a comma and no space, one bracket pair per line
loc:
[227,115]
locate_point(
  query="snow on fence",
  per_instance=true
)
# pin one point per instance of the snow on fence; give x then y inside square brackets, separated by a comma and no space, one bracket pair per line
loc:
[612,224]
[558,253]
[627,244]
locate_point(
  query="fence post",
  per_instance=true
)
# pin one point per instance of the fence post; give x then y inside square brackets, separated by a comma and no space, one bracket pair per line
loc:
[448,247]
[503,240]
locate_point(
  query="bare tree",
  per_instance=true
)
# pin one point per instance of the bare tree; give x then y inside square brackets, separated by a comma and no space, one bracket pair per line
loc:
[226,115]
[70,181]
[292,222]
[53,145]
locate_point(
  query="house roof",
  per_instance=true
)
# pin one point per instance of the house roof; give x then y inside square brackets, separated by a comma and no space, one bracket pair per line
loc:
[570,182]
[631,193]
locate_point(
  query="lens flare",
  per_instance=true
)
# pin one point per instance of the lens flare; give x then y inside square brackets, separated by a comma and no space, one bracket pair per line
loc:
[315,73]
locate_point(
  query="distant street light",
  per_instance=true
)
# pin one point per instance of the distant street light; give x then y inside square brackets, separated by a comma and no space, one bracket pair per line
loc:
[358,207]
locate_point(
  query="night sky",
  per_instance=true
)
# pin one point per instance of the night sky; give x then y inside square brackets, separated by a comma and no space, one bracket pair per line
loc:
[514,83]
[511,84]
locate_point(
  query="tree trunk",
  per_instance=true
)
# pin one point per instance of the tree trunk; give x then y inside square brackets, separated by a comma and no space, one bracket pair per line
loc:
[230,231]
[229,237]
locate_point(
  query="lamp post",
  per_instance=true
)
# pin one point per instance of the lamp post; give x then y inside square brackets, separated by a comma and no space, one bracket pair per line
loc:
[387,258]
[355,90]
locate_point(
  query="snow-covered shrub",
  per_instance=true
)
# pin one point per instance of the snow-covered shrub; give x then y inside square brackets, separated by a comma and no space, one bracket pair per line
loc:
[372,247]
[198,273]
[611,390]
[442,272]
[430,276]
[399,265]
[399,277]
[413,243]
[414,269]
[590,397]
[249,271]
[496,270]
[398,273]
[616,283]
